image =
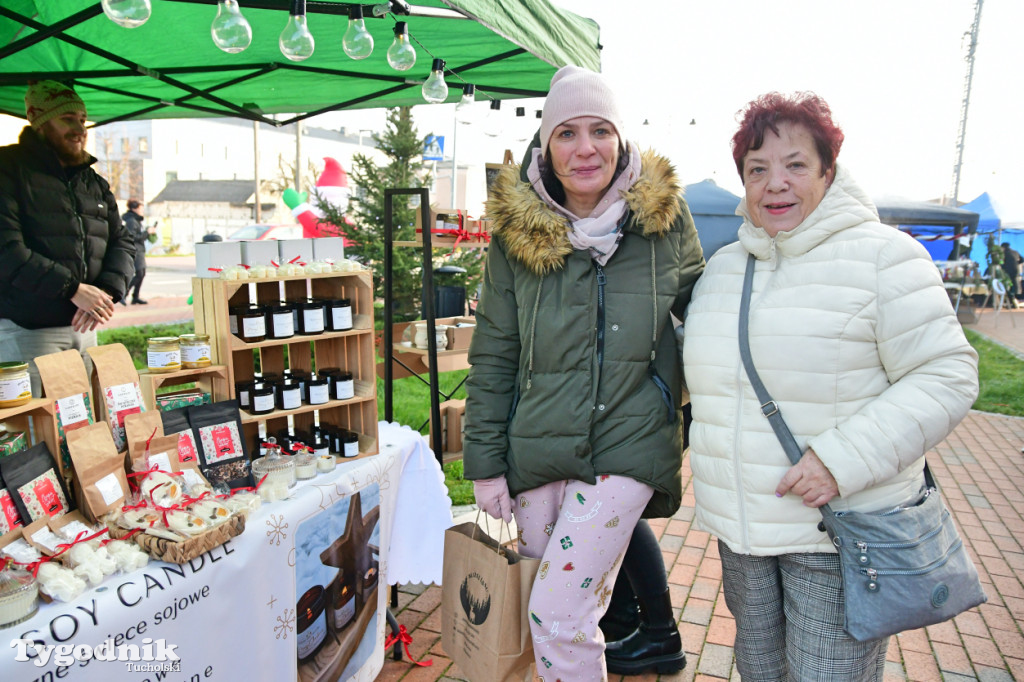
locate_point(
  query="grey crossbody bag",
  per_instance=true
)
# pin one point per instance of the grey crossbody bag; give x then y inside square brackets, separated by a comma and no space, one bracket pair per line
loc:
[902,568]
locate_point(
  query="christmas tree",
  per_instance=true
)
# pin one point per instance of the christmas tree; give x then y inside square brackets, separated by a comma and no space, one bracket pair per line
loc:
[403,146]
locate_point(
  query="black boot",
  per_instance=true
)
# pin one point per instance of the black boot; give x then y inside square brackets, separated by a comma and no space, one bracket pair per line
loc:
[655,645]
[623,614]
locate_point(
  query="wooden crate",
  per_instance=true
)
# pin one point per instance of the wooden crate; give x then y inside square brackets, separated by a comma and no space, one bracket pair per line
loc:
[351,350]
[37,420]
[212,379]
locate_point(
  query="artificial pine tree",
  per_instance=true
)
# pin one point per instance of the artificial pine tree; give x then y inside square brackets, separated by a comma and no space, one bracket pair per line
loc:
[403,146]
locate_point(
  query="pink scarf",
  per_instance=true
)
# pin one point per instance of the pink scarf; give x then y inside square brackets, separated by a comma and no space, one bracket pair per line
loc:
[600,232]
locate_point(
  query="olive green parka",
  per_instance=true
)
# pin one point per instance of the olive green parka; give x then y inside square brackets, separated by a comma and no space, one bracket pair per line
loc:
[574,370]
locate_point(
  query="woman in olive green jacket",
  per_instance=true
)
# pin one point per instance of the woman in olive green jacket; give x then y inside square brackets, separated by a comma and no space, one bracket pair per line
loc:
[574,389]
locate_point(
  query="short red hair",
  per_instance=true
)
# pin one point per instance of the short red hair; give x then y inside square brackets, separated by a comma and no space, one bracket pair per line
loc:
[803,108]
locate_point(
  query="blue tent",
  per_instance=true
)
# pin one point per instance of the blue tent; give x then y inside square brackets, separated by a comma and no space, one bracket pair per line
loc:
[714,213]
[991,224]
[931,224]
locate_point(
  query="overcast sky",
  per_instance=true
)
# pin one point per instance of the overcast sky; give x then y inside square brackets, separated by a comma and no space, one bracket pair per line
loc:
[893,72]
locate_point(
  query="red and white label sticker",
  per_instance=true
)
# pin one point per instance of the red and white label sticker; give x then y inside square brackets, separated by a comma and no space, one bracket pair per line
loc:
[186,448]
[48,498]
[9,517]
[223,442]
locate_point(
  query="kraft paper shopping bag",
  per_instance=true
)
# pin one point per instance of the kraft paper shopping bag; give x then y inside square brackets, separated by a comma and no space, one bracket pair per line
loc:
[484,604]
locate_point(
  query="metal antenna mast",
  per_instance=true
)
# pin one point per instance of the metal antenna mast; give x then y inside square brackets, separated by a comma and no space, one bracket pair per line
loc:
[971,47]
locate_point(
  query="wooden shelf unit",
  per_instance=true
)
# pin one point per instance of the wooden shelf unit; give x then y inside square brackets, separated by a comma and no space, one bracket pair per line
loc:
[351,350]
[212,379]
[37,419]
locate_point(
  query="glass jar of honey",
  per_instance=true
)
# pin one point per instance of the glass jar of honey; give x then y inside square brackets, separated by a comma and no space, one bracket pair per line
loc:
[195,350]
[15,386]
[163,354]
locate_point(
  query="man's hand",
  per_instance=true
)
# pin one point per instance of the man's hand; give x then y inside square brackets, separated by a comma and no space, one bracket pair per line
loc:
[84,322]
[95,306]
[811,480]
[94,301]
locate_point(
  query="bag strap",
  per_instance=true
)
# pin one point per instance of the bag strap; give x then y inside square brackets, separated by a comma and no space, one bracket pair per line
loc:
[769,408]
[500,549]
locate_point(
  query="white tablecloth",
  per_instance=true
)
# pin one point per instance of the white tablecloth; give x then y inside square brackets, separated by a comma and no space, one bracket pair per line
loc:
[231,613]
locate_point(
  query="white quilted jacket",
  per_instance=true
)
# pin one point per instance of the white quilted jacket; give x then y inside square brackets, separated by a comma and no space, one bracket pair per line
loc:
[854,337]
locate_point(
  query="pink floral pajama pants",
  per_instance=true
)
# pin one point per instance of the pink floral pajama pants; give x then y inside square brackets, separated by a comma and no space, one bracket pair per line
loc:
[580,532]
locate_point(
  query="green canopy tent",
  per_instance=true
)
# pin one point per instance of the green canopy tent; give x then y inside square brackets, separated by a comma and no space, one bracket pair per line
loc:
[170,68]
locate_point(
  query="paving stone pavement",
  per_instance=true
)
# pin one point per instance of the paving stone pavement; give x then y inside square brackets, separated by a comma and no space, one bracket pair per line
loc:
[981,470]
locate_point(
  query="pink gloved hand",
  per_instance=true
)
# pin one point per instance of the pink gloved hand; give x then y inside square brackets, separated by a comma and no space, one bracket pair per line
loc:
[493,498]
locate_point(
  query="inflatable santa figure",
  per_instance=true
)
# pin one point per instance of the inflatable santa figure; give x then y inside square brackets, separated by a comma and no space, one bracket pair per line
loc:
[332,188]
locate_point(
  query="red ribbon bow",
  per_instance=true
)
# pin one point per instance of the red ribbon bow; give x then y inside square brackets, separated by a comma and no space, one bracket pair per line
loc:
[63,547]
[405,638]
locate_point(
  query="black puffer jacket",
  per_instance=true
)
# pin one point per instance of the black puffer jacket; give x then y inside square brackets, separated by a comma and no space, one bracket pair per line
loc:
[59,227]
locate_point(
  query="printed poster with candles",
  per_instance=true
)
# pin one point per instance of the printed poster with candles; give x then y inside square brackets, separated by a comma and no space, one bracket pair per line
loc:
[337,568]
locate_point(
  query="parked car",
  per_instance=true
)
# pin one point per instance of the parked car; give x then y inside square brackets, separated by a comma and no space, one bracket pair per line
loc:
[267,232]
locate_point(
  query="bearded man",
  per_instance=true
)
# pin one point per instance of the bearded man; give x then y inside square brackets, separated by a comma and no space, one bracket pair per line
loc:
[65,255]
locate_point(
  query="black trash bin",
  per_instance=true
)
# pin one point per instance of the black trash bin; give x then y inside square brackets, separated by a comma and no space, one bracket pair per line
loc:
[212,237]
[449,300]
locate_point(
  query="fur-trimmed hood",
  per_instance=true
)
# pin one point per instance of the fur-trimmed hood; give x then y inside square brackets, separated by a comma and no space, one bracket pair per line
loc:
[537,235]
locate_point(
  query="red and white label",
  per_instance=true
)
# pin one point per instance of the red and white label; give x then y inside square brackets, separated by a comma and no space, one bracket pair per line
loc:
[48,498]
[10,517]
[186,448]
[223,442]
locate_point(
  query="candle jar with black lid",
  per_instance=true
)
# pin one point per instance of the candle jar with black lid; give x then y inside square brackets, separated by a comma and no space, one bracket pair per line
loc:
[339,315]
[280,320]
[342,386]
[311,316]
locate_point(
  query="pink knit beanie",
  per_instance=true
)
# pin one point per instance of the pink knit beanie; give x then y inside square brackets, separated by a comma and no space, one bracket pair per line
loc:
[49,99]
[577,92]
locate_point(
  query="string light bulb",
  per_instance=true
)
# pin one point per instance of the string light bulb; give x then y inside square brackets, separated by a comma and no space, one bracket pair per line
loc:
[522,132]
[464,109]
[401,54]
[230,31]
[127,13]
[492,126]
[435,90]
[357,41]
[296,41]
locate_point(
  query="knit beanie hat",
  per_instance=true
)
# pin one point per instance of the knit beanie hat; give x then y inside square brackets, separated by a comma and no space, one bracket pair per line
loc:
[577,92]
[49,99]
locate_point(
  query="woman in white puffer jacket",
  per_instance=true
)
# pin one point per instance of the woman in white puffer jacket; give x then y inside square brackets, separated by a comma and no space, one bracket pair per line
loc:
[854,337]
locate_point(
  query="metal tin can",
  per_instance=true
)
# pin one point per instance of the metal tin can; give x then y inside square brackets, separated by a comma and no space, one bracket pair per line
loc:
[15,385]
[195,350]
[163,354]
